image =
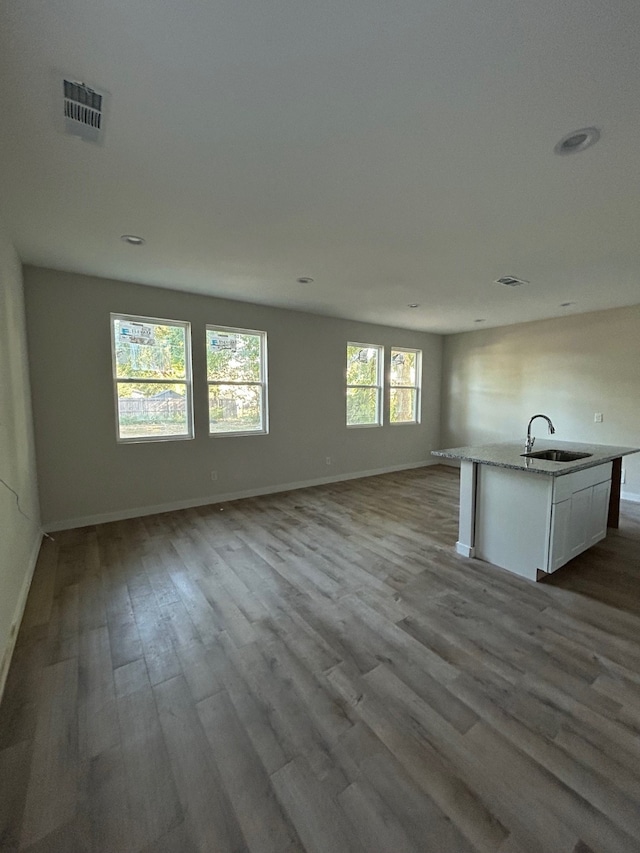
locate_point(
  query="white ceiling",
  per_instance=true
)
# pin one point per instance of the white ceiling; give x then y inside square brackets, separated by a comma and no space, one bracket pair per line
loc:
[396,152]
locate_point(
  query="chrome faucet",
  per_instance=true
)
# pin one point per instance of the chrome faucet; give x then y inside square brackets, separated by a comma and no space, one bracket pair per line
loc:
[531,441]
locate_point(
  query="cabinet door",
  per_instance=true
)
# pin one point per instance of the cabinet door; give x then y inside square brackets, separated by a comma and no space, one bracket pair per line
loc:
[579,521]
[559,552]
[599,512]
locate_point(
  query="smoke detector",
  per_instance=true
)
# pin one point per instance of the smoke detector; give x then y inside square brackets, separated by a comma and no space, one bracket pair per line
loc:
[83,110]
[511,281]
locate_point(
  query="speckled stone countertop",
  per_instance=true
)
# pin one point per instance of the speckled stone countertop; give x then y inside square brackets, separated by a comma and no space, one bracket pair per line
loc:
[509,455]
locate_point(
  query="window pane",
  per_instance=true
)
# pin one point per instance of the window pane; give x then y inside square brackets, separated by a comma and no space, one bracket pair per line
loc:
[403,367]
[362,406]
[152,410]
[362,365]
[235,408]
[233,356]
[402,403]
[149,350]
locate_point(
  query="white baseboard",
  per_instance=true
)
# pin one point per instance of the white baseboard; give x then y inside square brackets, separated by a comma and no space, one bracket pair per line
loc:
[465,550]
[137,512]
[451,463]
[19,613]
[630,496]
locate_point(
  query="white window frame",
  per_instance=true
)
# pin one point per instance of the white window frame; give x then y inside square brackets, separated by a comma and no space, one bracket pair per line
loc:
[262,383]
[379,386]
[187,381]
[417,386]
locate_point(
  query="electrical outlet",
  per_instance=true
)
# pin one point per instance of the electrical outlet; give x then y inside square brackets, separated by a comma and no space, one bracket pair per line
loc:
[623,477]
[597,418]
[214,475]
[328,460]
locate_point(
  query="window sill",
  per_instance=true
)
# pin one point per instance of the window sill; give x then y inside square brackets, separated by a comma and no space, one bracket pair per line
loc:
[238,434]
[150,439]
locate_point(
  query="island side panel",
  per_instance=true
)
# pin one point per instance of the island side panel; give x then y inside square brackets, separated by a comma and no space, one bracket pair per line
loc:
[513,510]
[467,517]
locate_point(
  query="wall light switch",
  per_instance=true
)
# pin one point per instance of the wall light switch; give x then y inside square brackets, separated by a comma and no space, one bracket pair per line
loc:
[597,418]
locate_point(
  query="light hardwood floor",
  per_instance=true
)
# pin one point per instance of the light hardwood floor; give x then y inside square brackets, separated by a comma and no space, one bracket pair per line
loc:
[319,671]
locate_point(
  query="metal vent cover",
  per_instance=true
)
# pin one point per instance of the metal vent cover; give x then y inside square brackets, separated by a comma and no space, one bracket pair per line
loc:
[83,109]
[511,281]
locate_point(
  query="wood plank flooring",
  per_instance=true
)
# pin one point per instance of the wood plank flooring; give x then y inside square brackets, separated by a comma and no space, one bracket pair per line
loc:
[319,671]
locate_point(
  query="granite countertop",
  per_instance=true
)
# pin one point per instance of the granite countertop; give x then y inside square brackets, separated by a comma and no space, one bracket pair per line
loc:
[508,455]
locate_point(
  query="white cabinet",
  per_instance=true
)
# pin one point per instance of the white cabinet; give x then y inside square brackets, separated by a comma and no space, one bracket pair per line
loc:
[528,523]
[578,514]
[579,521]
[599,512]
[559,547]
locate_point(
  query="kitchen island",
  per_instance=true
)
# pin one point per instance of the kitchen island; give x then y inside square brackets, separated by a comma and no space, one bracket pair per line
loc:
[532,515]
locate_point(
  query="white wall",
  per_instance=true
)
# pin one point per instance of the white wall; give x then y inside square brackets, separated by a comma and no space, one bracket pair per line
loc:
[19,537]
[567,368]
[84,474]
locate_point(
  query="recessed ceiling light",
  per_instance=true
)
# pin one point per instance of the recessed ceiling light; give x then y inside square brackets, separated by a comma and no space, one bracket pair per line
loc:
[577,140]
[566,304]
[132,240]
[413,305]
[304,280]
[511,281]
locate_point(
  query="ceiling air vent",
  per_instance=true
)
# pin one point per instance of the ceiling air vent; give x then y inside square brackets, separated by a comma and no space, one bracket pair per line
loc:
[511,281]
[83,111]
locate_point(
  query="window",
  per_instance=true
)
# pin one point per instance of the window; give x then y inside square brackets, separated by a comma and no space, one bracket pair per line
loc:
[237,376]
[404,382]
[152,378]
[364,384]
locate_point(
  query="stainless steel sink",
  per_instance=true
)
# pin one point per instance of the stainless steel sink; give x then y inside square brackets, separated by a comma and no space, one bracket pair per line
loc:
[557,455]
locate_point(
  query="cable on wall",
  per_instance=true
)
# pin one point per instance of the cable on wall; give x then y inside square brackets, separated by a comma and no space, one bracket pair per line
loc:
[20,510]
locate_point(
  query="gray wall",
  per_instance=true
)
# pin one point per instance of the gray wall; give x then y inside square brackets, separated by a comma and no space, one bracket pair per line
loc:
[19,536]
[567,368]
[84,473]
